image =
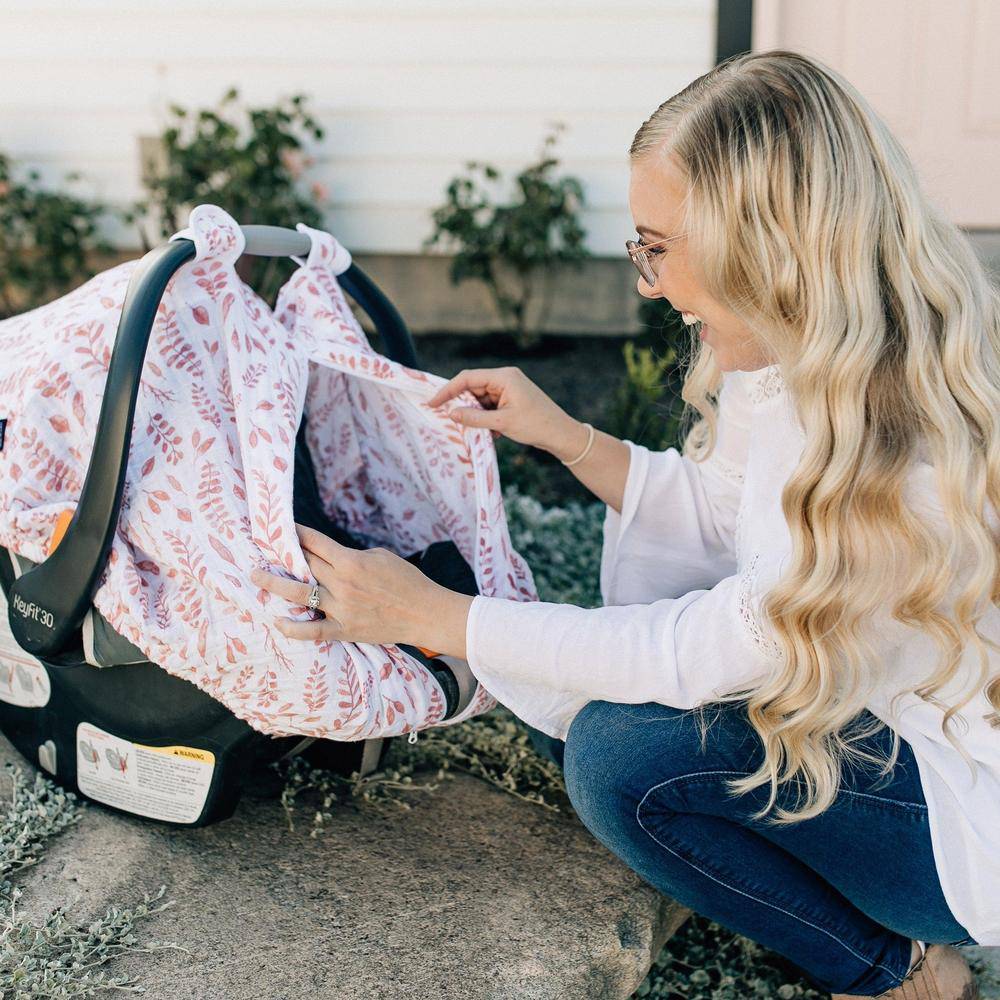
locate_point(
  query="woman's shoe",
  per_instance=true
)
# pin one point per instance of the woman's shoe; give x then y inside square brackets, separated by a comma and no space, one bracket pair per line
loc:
[941,973]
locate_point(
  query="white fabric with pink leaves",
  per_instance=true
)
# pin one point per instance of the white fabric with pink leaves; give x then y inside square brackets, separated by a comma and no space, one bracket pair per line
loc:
[208,489]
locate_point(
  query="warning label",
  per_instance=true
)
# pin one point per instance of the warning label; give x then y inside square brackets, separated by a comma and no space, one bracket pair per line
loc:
[168,783]
[23,679]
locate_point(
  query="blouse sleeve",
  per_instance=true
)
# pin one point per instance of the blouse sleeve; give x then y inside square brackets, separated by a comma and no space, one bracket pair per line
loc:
[676,529]
[681,652]
[672,630]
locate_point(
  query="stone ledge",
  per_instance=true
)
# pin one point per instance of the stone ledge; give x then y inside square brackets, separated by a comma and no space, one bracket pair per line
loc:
[471,894]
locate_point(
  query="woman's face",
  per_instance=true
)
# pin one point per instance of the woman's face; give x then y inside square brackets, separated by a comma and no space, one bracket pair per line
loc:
[656,195]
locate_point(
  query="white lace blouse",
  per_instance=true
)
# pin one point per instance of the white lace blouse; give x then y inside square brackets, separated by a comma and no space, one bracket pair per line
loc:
[683,568]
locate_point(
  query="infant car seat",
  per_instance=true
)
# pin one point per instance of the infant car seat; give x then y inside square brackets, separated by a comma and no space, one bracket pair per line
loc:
[62,663]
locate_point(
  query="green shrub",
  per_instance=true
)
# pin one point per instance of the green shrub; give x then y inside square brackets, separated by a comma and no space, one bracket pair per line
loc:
[45,239]
[561,544]
[248,160]
[641,409]
[511,246]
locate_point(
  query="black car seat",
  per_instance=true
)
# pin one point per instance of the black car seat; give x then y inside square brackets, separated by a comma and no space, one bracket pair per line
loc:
[68,677]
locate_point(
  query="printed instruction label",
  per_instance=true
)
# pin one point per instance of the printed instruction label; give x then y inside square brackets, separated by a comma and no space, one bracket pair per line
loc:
[23,679]
[168,783]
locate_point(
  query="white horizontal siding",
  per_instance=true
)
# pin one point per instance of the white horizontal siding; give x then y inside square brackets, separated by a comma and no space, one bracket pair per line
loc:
[350,8]
[448,37]
[406,91]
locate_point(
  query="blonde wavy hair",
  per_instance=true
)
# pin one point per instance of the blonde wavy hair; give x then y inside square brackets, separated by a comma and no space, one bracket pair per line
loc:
[806,219]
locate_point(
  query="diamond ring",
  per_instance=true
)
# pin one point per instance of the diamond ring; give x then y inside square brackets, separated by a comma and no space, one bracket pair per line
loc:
[313,603]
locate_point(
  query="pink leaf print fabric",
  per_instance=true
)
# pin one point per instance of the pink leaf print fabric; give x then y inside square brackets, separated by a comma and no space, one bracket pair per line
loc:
[208,490]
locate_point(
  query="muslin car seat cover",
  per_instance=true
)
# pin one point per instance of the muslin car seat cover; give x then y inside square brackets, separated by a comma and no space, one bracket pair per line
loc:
[208,490]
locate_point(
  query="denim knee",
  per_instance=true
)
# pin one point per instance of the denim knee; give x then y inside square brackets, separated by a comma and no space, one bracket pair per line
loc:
[601,730]
[615,751]
[611,748]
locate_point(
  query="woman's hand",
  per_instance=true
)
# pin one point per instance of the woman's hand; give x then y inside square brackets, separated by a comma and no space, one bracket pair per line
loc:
[513,406]
[370,595]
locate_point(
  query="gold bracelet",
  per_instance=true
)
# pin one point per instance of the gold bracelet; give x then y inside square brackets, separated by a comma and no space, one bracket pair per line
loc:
[583,454]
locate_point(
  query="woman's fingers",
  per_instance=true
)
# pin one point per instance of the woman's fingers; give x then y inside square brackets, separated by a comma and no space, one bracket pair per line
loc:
[295,591]
[319,551]
[476,380]
[292,590]
[323,545]
[471,416]
[324,573]
[298,594]
[320,628]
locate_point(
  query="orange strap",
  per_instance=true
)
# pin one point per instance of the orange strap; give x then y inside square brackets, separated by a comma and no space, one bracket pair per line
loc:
[62,523]
[428,652]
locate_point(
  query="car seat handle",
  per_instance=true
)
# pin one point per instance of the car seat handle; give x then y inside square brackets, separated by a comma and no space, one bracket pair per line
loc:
[275,241]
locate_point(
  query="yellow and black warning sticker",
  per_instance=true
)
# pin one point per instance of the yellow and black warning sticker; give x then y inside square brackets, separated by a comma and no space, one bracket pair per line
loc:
[168,783]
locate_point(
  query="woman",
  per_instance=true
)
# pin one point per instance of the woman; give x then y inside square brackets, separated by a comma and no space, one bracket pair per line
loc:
[819,566]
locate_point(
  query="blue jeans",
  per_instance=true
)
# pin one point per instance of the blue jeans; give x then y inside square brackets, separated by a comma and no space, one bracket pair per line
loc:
[841,895]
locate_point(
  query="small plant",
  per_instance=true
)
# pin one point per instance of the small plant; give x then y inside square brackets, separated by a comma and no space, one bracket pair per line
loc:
[494,747]
[37,812]
[562,545]
[705,961]
[45,239]
[57,958]
[248,160]
[509,245]
[637,412]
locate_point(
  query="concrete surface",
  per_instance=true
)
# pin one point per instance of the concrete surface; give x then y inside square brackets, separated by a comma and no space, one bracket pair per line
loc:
[471,894]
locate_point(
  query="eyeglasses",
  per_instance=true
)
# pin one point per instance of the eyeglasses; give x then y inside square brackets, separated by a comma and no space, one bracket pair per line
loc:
[641,253]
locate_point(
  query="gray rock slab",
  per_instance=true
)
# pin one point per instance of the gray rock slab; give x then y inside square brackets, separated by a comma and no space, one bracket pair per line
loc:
[471,894]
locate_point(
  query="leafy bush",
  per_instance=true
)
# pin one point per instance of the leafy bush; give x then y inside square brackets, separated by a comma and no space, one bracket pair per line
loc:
[248,160]
[562,545]
[509,245]
[638,411]
[45,239]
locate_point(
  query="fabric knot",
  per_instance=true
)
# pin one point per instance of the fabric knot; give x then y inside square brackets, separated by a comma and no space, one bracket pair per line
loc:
[326,252]
[216,234]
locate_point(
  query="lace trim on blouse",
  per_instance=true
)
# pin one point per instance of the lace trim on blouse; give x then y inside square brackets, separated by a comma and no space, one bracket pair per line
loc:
[730,470]
[748,580]
[767,384]
[738,529]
